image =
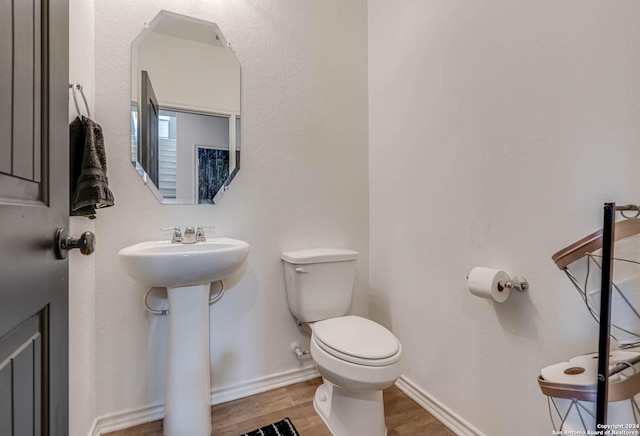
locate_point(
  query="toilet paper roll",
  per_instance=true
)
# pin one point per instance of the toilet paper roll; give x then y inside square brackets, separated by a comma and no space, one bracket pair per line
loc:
[484,282]
[614,358]
[582,371]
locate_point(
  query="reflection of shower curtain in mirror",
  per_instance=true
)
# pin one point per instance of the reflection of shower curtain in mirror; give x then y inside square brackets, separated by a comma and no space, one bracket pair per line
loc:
[213,170]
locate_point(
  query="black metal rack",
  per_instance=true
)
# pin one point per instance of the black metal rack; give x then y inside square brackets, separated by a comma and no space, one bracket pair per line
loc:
[608,239]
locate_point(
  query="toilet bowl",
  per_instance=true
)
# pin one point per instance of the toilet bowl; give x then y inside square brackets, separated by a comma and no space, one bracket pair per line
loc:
[356,357]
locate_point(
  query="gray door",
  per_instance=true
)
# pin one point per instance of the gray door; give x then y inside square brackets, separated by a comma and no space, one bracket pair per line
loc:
[33,204]
[149,146]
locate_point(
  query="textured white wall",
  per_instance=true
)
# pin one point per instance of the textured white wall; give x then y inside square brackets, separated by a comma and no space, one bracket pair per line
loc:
[303,183]
[82,351]
[497,131]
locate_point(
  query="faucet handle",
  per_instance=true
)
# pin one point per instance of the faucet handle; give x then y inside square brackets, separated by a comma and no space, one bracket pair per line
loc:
[177,234]
[200,236]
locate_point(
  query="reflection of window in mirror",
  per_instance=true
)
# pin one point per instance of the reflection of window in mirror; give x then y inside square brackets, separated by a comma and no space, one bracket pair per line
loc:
[163,125]
[134,133]
[167,153]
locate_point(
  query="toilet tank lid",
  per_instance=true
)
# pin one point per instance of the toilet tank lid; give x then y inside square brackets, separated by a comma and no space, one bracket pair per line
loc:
[319,255]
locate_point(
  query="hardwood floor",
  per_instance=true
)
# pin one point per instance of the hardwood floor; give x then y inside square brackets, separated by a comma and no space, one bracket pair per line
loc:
[403,416]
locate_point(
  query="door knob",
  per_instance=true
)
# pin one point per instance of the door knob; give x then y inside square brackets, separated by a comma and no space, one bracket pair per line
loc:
[86,243]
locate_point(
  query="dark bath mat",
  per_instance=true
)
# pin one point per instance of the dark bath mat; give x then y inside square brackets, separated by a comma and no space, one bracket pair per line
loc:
[280,428]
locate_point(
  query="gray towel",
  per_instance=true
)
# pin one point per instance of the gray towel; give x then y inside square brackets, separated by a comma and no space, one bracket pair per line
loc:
[89,185]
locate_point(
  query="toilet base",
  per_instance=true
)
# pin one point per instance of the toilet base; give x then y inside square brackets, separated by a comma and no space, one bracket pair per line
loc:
[349,413]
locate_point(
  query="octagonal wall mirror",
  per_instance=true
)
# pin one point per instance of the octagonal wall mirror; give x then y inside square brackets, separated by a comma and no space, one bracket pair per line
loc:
[185,109]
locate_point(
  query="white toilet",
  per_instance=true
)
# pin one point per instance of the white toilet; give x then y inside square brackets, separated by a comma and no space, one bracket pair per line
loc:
[356,357]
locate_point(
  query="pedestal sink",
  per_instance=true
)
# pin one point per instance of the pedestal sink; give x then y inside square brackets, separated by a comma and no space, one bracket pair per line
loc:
[187,271]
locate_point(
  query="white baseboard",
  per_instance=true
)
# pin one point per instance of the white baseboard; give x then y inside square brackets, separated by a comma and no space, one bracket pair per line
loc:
[93,429]
[263,384]
[448,417]
[129,418]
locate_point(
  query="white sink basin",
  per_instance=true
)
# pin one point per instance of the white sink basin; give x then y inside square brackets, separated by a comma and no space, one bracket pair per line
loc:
[161,263]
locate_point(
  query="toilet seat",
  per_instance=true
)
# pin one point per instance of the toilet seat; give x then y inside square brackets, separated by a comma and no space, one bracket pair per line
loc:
[357,340]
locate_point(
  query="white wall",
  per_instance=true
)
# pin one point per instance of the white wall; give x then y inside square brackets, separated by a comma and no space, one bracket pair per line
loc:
[303,183]
[497,131]
[82,350]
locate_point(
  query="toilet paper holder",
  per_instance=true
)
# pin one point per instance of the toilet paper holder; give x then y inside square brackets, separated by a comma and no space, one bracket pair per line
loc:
[518,283]
[494,284]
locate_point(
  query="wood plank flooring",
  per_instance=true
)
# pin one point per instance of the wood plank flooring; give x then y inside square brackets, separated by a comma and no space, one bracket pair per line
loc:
[403,416]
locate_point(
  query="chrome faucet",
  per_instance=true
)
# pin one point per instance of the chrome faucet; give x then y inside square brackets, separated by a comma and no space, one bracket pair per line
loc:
[189,235]
[176,237]
[200,236]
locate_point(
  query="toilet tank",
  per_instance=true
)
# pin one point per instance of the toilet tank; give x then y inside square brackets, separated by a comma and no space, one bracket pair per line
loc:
[319,282]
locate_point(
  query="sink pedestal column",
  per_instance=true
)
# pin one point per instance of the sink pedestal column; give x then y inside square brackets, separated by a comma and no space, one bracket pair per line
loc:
[187,404]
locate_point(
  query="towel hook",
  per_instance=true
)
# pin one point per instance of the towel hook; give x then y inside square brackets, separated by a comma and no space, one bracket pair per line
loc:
[79,87]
